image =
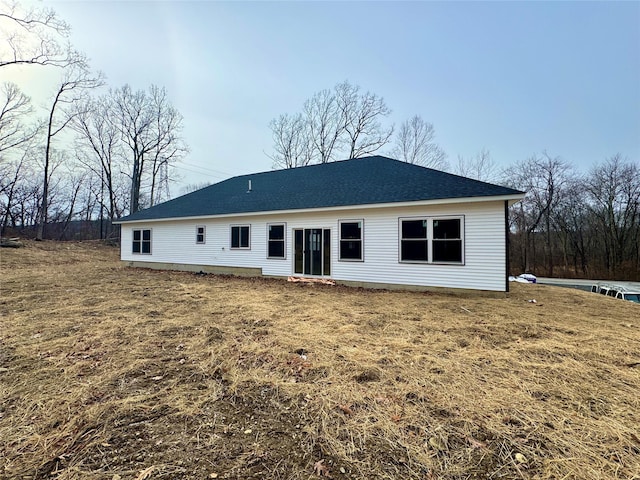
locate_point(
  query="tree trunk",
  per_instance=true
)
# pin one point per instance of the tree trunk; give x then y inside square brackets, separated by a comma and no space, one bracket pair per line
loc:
[41,231]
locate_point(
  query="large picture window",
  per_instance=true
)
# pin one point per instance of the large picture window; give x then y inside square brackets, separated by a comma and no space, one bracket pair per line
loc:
[432,240]
[275,242]
[351,241]
[141,241]
[240,235]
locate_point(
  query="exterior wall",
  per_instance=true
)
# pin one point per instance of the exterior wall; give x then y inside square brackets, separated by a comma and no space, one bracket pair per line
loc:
[484,245]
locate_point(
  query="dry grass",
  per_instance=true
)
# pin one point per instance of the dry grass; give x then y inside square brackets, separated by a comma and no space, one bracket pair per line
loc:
[110,373]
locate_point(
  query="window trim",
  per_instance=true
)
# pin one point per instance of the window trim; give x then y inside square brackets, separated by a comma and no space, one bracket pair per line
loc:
[430,219]
[231,227]
[141,230]
[284,240]
[204,234]
[355,220]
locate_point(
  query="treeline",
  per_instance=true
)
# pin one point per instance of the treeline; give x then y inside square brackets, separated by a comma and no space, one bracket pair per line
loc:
[89,154]
[75,230]
[576,225]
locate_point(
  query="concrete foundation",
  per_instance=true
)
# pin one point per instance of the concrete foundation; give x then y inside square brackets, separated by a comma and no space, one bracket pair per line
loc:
[257,272]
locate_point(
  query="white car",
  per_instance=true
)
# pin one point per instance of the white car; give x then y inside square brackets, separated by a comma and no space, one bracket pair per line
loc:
[631,296]
[528,277]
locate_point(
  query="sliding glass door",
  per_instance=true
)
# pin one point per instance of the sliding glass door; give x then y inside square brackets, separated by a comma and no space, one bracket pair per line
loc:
[312,251]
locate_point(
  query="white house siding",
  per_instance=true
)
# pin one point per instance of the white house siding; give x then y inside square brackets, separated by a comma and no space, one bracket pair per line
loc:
[484,268]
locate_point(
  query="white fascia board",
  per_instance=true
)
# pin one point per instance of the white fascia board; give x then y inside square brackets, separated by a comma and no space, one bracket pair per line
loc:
[442,201]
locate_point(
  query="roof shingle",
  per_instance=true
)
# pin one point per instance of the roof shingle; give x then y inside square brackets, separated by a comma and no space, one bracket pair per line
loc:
[361,181]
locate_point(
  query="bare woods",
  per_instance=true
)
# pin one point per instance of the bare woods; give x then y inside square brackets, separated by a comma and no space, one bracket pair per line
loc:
[576,225]
[89,155]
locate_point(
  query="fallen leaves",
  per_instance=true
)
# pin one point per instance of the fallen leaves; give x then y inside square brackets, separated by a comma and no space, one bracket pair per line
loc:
[476,443]
[346,409]
[298,365]
[520,458]
[146,473]
[437,444]
[321,470]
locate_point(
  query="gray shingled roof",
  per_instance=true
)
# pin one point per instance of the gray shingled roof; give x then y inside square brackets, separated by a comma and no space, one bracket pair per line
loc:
[361,181]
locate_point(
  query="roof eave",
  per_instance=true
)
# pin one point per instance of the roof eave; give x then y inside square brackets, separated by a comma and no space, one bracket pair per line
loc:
[511,198]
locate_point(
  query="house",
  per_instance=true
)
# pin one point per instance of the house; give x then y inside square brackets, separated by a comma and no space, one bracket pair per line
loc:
[370,221]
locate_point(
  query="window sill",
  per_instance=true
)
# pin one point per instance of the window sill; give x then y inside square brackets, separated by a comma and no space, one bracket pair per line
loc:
[276,258]
[351,260]
[424,262]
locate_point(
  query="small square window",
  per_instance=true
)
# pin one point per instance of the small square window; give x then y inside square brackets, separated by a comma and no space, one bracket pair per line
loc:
[200,234]
[240,235]
[351,240]
[141,241]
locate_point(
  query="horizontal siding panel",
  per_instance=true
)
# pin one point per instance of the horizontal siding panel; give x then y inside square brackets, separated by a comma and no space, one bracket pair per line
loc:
[175,242]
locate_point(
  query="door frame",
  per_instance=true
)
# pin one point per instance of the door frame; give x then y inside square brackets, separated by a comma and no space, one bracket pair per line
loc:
[326,233]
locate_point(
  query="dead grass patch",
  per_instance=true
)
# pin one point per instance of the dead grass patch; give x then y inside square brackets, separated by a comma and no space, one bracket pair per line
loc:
[110,372]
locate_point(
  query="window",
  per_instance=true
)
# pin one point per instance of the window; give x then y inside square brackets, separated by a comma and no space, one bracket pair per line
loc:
[275,240]
[351,240]
[447,240]
[414,243]
[432,240]
[141,241]
[200,234]
[240,236]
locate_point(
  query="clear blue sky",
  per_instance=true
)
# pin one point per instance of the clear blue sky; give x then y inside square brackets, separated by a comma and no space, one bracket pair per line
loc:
[515,78]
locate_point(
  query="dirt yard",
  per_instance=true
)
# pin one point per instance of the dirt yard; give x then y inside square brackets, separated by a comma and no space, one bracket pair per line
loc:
[113,373]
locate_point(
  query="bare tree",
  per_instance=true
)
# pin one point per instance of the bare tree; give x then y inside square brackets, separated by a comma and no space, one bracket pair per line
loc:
[613,189]
[481,167]
[100,150]
[76,80]
[543,178]
[26,200]
[324,123]
[360,114]
[16,137]
[168,146]
[150,127]
[12,174]
[74,182]
[33,36]
[293,146]
[192,187]
[415,143]
[573,225]
[339,121]
[15,108]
